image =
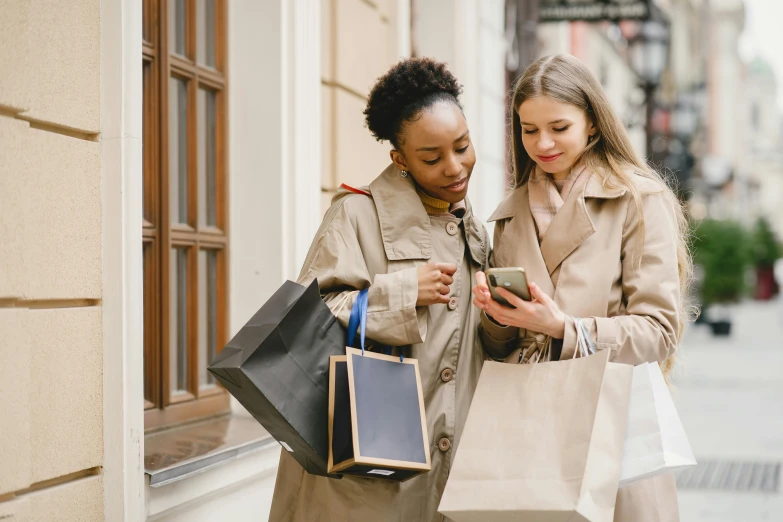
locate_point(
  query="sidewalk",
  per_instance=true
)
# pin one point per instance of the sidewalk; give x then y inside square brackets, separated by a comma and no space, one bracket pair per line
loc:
[730,398]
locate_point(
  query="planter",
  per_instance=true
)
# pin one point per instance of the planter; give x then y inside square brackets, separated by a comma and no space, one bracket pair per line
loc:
[766,287]
[721,328]
[766,251]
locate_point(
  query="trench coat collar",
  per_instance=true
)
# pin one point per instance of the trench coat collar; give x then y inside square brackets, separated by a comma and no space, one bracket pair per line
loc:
[405,225]
[569,228]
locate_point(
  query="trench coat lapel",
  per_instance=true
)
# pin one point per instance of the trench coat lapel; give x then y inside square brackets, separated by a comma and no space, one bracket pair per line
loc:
[405,225]
[474,237]
[517,206]
[569,228]
[572,225]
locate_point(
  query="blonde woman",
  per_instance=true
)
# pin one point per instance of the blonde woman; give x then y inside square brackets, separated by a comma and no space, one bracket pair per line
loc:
[601,237]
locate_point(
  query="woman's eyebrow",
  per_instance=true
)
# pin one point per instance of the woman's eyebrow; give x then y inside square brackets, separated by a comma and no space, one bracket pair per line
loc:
[561,120]
[431,149]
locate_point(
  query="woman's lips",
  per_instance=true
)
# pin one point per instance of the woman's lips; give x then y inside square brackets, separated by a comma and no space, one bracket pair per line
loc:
[457,186]
[547,159]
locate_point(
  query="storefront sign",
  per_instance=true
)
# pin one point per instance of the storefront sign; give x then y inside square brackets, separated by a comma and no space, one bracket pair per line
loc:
[594,10]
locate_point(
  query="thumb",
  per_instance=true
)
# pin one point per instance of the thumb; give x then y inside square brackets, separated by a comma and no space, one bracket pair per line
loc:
[539,294]
[447,268]
[481,283]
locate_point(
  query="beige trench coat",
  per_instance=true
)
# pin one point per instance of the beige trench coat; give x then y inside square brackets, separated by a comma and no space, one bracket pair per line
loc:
[378,242]
[585,264]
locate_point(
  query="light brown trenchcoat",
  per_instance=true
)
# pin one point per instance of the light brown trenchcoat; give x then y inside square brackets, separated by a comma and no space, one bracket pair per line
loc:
[585,263]
[378,242]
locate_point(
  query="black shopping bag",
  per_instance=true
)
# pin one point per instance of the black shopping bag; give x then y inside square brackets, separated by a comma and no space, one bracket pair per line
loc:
[377,424]
[277,368]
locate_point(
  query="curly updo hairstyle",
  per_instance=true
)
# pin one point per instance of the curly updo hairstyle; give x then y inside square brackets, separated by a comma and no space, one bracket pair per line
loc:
[400,95]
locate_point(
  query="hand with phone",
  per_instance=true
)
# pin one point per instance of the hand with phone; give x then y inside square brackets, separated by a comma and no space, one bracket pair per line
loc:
[512,279]
[532,310]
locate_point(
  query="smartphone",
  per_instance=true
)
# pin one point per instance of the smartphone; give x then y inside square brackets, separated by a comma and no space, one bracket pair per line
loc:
[512,279]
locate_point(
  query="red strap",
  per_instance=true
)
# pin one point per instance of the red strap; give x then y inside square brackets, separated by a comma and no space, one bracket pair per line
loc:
[355,190]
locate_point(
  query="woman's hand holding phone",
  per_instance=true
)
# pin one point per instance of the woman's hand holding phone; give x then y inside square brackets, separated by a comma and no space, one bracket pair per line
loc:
[541,314]
[481,295]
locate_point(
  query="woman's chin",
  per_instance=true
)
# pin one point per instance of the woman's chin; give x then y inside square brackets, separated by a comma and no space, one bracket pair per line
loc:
[454,197]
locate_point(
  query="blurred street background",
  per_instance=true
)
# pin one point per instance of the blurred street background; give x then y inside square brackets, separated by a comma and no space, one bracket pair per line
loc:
[729,394]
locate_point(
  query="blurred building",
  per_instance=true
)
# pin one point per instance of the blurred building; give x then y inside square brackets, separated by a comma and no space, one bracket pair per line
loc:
[724,168]
[765,140]
[740,173]
[683,95]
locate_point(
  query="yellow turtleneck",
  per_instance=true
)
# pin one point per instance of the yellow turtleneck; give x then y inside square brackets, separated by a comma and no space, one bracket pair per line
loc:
[433,205]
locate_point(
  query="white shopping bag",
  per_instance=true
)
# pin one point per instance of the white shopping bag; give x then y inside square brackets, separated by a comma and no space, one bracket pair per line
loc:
[655,441]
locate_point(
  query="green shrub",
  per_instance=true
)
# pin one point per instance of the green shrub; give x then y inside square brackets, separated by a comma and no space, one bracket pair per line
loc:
[721,247]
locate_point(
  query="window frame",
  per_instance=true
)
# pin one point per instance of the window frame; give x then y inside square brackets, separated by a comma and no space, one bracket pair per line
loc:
[160,234]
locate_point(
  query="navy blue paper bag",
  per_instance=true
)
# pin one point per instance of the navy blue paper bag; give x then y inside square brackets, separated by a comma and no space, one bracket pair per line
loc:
[377,423]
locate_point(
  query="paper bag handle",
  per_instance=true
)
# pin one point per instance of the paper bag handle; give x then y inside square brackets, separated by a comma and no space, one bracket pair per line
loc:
[358,318]
[585,345]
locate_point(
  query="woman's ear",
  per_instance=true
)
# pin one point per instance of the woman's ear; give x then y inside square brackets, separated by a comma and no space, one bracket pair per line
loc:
[398,159]
[593,128]
[592,132]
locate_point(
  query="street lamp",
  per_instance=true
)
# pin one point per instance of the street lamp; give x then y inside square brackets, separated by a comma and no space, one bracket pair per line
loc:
[648,51]
[679,157]
[686,118]
[687,142]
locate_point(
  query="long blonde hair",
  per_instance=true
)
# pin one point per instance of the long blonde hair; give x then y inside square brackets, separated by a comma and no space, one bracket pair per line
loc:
[610,153]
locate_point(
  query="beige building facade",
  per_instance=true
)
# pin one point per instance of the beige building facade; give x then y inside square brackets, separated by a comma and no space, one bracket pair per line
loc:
[51,291]
[359,42]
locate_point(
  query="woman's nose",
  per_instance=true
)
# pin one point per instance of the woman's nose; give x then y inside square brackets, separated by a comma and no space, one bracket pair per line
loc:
[545,142]
[453,167]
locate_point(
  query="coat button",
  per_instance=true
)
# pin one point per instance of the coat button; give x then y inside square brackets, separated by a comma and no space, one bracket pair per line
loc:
[444,444]
[446,375]
[452,228]
[453,303]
